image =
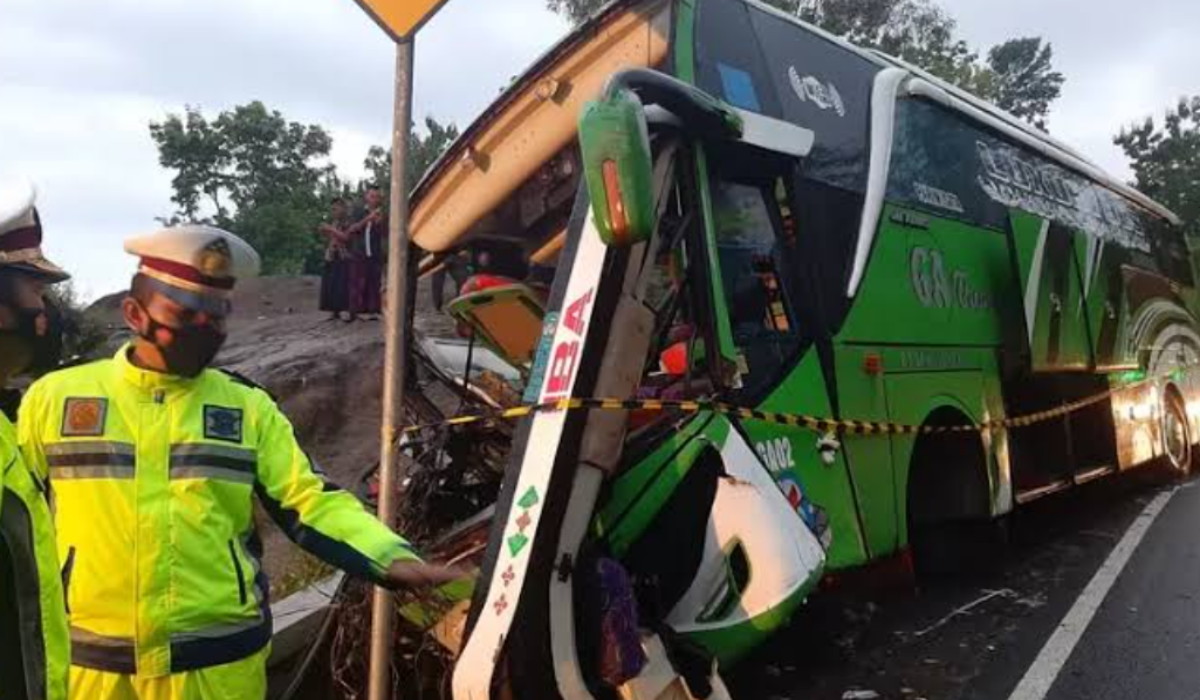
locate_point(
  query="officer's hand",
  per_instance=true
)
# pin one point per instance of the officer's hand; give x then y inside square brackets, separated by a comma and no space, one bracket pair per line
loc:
[408,573]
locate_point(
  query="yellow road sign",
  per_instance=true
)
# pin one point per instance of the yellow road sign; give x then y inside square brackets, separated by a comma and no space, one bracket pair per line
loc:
[401,18]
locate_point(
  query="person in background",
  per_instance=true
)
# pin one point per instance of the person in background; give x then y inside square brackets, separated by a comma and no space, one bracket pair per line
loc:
[335,278]
[458,266]
[34,646]
[367,236]
[155,461]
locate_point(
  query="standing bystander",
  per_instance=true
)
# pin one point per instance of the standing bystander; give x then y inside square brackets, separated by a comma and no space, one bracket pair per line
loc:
[335,278]
[366,256]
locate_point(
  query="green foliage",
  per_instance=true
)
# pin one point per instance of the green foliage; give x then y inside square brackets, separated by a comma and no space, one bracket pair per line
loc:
[423,152]
[575,10]
[917,31]
[1166,161]
[83,336]
[1020,78]
[1017,75]
[259,175]
[303,571]
[268,179]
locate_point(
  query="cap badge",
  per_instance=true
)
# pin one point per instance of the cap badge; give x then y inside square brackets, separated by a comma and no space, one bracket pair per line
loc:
[215,259]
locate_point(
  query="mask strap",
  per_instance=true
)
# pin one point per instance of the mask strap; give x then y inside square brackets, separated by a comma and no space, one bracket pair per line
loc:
[153,325]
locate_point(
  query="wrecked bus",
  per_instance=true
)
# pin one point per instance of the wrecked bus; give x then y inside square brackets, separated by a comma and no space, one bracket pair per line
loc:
[692,201]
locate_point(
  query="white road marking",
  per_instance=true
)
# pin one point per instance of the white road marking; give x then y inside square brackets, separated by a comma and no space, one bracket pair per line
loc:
[1045,668]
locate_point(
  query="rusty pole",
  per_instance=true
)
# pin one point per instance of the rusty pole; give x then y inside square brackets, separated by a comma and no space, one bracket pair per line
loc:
[383,609]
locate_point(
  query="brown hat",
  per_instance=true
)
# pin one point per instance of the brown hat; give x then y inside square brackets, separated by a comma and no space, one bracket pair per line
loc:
[21,233]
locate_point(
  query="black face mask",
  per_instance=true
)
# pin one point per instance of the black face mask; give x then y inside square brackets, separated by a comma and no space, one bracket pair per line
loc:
[35,345]
[193,347]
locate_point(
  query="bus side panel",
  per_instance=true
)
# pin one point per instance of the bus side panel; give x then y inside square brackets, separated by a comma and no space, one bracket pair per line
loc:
[1050,293]
[1162,334]
[863,396]
[1076,306]
[791,455]
[934,281]
[1108,308]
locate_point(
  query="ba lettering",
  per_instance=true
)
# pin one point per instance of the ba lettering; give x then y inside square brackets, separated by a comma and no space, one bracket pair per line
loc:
[562,368]
[573,319]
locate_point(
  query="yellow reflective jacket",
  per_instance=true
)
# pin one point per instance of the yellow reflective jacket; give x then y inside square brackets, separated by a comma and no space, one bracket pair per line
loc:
[33,624]
[152,479]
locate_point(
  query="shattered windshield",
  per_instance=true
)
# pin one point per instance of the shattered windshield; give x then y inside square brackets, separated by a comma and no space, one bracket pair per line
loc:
[451,356]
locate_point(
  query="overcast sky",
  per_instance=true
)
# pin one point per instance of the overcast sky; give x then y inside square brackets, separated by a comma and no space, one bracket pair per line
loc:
[80,81]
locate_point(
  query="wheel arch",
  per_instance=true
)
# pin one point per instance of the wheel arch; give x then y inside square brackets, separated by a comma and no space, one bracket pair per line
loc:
[946,475]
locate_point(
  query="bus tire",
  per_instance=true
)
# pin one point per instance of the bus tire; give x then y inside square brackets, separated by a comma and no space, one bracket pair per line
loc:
[1176,437]
[950,529]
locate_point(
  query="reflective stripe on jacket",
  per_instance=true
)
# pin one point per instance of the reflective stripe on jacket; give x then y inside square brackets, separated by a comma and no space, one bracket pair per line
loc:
[153,478]
[33,623]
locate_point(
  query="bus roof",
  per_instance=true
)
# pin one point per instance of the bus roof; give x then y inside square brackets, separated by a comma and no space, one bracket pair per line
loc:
[533,119]
[992,116]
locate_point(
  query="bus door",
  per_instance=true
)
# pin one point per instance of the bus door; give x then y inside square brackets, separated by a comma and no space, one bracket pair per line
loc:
[1048,256]
[767,314]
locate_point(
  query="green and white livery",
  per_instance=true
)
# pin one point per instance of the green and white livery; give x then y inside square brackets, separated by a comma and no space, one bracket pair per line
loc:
[739,207]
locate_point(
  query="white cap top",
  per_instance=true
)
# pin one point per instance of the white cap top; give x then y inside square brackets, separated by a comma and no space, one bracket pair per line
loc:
[17,197]
[21,232]
[196,254]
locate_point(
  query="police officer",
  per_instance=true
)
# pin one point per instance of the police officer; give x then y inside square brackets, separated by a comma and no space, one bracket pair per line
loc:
[33,623]
[155,461]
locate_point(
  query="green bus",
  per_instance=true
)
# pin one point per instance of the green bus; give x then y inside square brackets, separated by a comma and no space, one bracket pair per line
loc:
[729,205]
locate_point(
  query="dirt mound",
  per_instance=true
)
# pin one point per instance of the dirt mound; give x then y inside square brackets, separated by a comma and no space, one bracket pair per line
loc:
[253,300]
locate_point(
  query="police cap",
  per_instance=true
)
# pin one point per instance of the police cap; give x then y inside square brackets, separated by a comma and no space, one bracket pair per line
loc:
[197,266]
[21,232]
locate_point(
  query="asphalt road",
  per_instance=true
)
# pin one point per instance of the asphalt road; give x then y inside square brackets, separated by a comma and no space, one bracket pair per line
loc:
[977,639]
[1144,641]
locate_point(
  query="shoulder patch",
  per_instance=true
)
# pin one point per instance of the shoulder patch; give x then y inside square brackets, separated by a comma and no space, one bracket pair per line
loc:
[222,423]
[84,417]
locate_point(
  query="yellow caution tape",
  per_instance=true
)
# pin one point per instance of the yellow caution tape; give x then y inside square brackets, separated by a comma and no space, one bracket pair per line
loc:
[821,425]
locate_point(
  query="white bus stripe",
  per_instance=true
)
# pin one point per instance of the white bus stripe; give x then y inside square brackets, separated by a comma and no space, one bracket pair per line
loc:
[1034,283]
[1041,674]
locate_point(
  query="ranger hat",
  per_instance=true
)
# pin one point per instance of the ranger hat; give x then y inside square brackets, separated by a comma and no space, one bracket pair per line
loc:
[21,232]
[195,266]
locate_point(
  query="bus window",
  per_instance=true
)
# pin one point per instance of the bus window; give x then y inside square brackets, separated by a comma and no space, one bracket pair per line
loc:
[676,366]
[752,244]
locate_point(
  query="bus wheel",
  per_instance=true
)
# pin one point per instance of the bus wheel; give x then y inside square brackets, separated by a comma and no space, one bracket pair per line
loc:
[1177,442]
[950,530]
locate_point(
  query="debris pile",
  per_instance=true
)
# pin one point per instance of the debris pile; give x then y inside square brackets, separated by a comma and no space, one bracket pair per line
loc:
[452,476]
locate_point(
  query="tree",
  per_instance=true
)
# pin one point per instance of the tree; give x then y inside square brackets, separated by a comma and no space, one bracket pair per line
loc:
[83,336]
[575,10]
[1166,161]
[268,179]
[252,171]
[423,151]
[1016,76]
[1021,79]
[917,31]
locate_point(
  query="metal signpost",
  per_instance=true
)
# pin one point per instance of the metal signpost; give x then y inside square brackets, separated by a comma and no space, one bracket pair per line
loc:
[400,19]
